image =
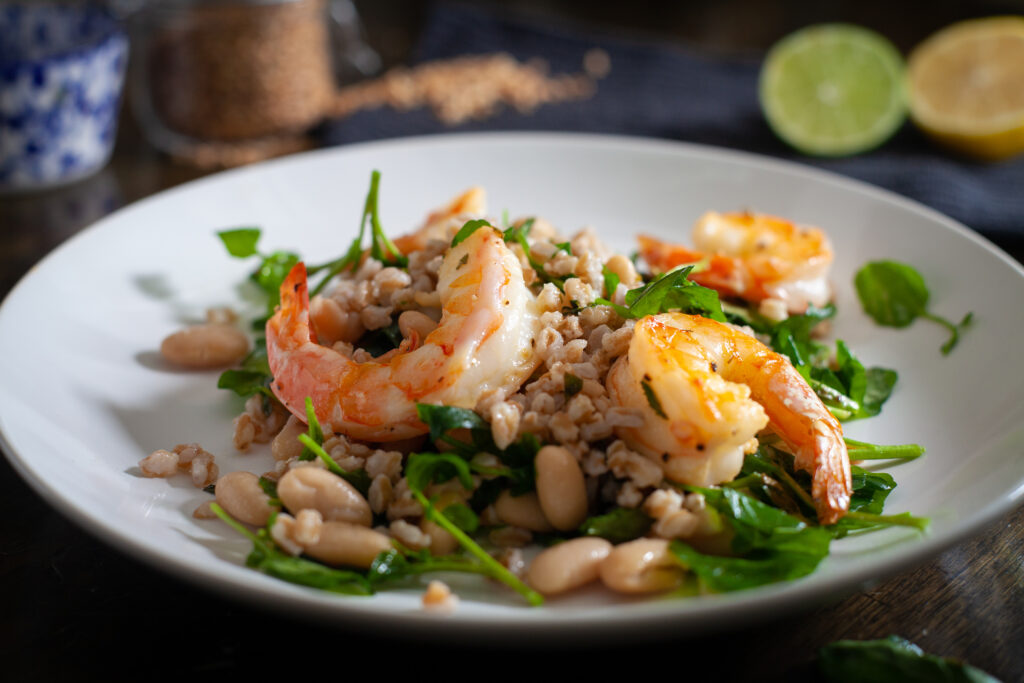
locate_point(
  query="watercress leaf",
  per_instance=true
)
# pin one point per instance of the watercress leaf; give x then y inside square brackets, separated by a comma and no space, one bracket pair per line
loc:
[271,273]
[424,469]
[892,293]
[245,382]
[878,386]
[240,242]
[869,489]
[851,372]
[442,419]
[618,526]
[468,229]
[461,516]
[892,660]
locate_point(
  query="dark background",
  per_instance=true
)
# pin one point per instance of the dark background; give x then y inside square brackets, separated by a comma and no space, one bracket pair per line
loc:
[71,608]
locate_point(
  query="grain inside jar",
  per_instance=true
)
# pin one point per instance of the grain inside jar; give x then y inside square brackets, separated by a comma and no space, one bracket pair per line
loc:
[233,71]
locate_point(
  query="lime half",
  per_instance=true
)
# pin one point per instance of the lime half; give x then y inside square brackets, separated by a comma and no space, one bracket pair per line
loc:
[833,89]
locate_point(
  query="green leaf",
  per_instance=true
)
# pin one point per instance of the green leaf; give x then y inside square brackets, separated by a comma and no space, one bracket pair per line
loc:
[769,544]
[468,229]
[618,526]
[674,292]
[463,517]
[892,660]
[240,242]
[252,376]
[442,419]
[271,273]
[892,293]
[611,282]
[424,469]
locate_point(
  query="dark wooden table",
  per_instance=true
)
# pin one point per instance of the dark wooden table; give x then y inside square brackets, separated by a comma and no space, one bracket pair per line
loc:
[72,608]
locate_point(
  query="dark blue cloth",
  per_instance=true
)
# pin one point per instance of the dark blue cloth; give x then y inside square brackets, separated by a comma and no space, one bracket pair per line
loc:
[664,91]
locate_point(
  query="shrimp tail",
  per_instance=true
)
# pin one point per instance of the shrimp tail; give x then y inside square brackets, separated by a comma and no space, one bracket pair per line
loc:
[830,482]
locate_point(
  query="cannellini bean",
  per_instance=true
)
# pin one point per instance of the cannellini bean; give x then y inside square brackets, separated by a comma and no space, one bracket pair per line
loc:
[333,323]
[350,545]
[239,493]
[624,268]
[561,489]
[568,565]
[286,444]
[312,488]
[414,321]
[205,346]
[521,511]
[641,566]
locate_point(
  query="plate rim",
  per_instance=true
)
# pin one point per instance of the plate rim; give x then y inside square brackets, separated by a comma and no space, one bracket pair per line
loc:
[715,613]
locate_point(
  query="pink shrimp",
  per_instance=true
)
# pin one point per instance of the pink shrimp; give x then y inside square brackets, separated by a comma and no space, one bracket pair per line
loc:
[484,342]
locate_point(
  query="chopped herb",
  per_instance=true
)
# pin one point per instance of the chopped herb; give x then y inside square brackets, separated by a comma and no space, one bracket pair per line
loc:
[573,385]
[672,291]
[652,399]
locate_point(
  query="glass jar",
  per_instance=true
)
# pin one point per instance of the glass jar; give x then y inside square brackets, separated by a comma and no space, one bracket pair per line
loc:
[232,71]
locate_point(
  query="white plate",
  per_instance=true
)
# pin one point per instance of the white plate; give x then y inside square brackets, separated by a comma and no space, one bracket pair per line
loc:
[84,395]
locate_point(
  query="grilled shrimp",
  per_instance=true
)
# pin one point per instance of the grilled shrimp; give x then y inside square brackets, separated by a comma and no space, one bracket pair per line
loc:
[754,257]
[706,389]
[442,223]
[484,342]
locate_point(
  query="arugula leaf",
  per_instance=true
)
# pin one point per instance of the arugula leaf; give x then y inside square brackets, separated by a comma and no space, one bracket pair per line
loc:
[770,545]
[674,291]
[618,526]
[894,294]
[892,660]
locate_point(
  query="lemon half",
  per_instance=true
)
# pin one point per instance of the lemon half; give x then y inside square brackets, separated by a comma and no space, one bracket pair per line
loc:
[966,87]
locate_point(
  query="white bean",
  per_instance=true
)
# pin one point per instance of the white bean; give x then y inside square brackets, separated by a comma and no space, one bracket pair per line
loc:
[312,488]
[239,493]
[205,346]
[521,511]
[642,566]
[349,545]
[561,488]
[568,565]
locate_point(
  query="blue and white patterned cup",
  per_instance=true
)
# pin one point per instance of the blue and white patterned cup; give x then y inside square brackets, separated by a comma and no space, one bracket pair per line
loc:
[61,75]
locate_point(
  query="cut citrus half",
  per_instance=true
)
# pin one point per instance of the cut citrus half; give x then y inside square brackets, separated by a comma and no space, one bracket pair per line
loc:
[966,86]
[833,89]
